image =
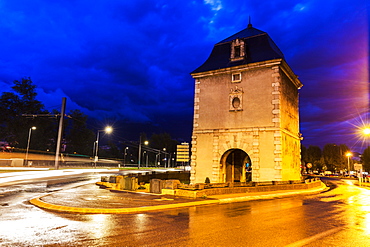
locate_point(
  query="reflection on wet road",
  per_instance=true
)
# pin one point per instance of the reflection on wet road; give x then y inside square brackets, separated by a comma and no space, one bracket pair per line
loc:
[339,217]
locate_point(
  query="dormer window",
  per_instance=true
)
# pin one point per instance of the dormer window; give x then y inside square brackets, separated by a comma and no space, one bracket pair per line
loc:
[237,50]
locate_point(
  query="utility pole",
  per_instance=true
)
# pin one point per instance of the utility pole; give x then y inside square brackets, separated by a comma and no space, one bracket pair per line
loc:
[60,130]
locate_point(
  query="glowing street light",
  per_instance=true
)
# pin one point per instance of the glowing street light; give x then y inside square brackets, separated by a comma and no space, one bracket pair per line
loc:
[107,130]
[366,131]
[348,154]
[28,142]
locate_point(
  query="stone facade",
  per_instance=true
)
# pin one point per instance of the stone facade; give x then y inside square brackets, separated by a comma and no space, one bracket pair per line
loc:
[246,116]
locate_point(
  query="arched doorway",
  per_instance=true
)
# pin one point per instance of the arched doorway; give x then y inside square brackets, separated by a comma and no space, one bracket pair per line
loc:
[237,166]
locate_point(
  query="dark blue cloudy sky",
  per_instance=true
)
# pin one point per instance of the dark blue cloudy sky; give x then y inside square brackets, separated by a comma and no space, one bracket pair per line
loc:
[129,61]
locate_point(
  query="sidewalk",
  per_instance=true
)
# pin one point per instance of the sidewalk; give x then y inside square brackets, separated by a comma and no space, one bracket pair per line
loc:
[90,199]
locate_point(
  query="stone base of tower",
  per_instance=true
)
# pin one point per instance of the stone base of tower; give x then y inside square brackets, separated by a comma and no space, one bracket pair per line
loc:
[242,155]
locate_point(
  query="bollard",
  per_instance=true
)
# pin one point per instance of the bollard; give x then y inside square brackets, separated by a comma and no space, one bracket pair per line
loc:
[156,186]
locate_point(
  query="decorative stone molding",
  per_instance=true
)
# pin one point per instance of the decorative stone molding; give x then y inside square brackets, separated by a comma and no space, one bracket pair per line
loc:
[236,99]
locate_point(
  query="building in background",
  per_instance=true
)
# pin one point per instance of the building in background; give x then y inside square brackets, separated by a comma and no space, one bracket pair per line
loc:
[183,154]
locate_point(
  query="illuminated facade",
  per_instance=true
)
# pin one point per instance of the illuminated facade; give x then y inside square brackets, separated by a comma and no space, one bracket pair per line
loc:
[246,119]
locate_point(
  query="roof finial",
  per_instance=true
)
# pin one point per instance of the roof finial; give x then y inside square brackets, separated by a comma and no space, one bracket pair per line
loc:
[249,24]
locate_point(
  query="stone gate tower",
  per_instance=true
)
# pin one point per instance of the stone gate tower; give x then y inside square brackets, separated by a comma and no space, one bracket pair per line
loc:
[246,120]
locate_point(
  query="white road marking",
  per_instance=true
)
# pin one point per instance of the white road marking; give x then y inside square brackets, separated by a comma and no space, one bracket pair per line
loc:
[311,239]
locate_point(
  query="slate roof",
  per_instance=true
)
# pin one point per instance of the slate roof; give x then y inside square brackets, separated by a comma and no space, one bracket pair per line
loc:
[259,47]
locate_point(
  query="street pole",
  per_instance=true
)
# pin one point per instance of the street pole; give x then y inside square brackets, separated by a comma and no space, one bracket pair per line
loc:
[96,149]
[139,159]
[348,164]
[157,159]
[348,154]
[60,130]
[165,156]
[170,161]
[144,156]
[28,142]
[124,160]
[107,130]
[147,159]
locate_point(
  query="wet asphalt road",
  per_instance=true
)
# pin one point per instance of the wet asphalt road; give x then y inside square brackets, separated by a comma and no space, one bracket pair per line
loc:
[339,217]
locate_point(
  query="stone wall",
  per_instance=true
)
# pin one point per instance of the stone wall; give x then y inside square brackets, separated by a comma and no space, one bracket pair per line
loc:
[266,188]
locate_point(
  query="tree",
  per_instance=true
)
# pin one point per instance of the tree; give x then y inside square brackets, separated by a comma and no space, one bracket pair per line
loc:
[365,158]
[114,151]
[163,140]
[14,128]
[343,158]
[303,154]
[334,156]
[79,138]
[314,156]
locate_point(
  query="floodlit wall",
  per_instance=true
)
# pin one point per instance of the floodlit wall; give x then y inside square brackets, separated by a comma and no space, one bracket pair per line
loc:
[264,123]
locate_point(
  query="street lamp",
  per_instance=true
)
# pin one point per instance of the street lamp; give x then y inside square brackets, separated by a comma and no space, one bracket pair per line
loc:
[124,160]
[107,130]
[28,142]
[147,158]
[146,153]
[139,159]
[158,159]
[348,154]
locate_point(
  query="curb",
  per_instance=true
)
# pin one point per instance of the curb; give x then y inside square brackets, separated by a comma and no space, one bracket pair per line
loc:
[41,204]
[323,188]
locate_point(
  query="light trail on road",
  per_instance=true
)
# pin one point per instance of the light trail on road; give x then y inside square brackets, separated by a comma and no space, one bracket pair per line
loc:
[339,217]
[6,178]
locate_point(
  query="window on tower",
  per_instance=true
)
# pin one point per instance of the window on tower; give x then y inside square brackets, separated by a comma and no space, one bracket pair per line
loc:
[236,77]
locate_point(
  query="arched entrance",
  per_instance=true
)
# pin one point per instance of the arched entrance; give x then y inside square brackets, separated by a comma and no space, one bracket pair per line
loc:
[237,166]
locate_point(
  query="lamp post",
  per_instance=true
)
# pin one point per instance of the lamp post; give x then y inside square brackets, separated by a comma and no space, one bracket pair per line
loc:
[107,130]
[145,153]
[28,142]
[139,159]
[169,160]
[174,159]
[157,159]
[165,157]
[124,160]
[348,154]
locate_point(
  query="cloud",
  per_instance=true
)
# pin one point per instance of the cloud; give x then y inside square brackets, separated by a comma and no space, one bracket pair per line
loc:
[131,60]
